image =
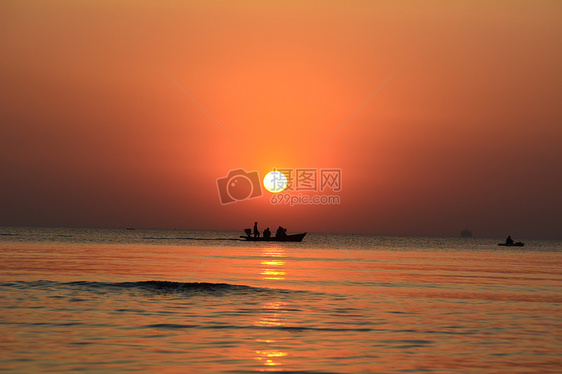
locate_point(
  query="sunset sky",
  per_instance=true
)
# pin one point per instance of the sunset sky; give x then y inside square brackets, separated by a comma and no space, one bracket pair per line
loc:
[96,129]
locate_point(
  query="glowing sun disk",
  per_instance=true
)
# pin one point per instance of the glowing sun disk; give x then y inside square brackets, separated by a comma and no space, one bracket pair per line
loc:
[275,181]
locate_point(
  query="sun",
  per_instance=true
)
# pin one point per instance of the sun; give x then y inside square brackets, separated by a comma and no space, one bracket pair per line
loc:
[275,181]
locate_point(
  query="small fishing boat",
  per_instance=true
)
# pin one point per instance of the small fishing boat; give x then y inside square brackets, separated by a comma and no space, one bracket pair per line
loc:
[286,238]
[516,244]
[466,233]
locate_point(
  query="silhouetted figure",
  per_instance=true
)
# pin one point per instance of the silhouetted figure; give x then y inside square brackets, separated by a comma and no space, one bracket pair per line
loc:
[256,231]
[281,232]
[267,233]
[509,241]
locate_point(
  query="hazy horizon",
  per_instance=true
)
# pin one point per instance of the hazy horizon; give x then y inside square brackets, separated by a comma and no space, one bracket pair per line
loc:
[241,232]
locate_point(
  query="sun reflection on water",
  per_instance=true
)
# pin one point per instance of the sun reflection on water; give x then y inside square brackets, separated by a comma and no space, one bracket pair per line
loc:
[273,263]
[272,274]
[272,313]
[270,357]
[273,252]
[272,316]
[273,269]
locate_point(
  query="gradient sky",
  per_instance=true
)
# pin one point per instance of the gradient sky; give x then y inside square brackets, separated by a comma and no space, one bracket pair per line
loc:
[466,133]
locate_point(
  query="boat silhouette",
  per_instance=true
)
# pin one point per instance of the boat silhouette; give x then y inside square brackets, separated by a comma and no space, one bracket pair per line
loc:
[284,238]
[516,244]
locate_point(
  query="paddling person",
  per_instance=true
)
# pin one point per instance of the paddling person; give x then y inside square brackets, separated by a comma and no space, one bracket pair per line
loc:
[256,231]
[509,241]
[267,233]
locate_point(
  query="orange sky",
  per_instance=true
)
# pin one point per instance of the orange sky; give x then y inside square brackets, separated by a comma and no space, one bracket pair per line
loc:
[467,133]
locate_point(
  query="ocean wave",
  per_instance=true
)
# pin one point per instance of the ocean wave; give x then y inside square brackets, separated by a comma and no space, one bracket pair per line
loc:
[291,329]
[148,287]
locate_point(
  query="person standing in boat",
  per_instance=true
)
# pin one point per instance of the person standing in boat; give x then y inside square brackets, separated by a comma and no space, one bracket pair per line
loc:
[256,231]
[267,233]
[509,241]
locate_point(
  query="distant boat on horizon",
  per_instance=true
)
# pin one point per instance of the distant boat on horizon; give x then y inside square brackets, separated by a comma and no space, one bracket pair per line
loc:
[466,233]
[516,244]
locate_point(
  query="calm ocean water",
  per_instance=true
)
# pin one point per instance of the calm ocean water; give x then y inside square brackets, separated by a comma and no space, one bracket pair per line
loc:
[93,300]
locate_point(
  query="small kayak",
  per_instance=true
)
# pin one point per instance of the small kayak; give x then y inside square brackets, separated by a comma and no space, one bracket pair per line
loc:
[516,244]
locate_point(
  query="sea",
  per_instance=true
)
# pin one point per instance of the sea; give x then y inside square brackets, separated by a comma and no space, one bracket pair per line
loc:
[172,301]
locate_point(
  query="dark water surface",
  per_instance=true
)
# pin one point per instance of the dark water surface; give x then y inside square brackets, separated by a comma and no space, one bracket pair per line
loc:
[93,300]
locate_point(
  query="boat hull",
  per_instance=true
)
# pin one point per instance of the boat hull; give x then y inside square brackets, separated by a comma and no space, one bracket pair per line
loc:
[288,238]
[518,244]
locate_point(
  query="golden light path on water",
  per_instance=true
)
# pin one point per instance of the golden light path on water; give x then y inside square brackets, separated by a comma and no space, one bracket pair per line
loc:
[272,269]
